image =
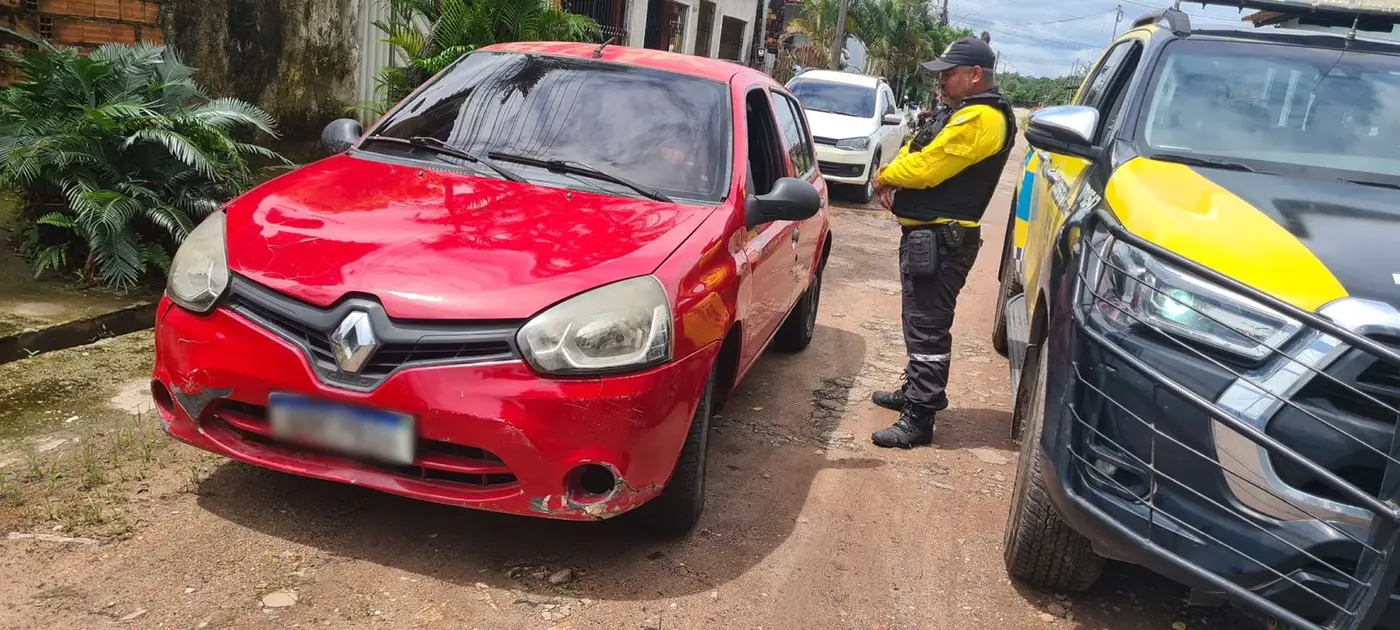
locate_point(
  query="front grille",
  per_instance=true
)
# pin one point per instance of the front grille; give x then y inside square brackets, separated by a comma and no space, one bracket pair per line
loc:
[1302,446]
[824,140]
[436,460]
[837,169]
[401,345]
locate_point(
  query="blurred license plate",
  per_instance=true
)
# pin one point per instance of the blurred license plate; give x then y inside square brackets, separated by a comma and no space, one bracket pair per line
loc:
[369,433]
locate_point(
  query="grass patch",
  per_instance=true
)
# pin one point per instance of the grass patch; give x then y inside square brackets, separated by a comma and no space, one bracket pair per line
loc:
[87,489]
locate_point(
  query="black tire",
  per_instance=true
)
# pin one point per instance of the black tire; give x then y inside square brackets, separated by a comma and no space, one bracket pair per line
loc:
[1005,290]
[676,511]
[801,324]
[1040,548]
[866,194]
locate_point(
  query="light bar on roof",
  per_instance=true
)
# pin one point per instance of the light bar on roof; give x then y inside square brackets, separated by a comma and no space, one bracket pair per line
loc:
[1360,8]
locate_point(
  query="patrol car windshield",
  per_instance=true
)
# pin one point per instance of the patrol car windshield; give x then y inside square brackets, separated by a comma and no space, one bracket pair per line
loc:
[661,130]
[1282,109]
[834,98]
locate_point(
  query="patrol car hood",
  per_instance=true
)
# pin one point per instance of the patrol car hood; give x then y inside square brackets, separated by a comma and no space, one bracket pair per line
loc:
[1305,241]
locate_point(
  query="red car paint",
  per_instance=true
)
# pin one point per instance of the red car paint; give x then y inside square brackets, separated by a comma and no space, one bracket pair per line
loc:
[432,245]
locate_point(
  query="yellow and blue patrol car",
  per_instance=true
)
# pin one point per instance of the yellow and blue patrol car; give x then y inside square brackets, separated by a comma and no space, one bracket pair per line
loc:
[1200,304]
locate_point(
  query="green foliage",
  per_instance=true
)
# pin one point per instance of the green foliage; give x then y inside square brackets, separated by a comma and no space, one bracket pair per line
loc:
[428,35]
[899,35]
[1024,91]
[117,154]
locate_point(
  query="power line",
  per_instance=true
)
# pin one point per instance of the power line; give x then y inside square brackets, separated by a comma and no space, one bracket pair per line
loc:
[1073,19]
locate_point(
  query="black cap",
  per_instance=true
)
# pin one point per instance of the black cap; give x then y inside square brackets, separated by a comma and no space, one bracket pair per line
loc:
[968,51]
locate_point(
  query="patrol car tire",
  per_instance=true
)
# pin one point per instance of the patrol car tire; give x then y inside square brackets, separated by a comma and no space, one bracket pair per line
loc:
[1040,548]
[677,510]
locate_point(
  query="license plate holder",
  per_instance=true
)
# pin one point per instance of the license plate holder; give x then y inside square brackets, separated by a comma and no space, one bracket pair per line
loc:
[353,430]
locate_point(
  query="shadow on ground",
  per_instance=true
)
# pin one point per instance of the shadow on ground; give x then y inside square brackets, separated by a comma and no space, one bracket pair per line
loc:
[768,445]
[1126,587]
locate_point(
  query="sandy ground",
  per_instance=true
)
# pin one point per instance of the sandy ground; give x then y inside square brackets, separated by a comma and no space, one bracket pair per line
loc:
[807,524]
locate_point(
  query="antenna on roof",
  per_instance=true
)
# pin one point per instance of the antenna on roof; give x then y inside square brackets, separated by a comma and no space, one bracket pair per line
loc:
[1356,21]
[598,54]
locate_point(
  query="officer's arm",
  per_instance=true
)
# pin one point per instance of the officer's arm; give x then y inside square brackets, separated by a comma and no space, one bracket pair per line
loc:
[975,134]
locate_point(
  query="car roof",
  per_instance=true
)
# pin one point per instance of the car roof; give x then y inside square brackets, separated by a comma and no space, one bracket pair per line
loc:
[836,76]
[703,67]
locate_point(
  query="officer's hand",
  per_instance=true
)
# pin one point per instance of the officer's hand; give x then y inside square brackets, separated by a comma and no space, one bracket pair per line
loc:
[887,198]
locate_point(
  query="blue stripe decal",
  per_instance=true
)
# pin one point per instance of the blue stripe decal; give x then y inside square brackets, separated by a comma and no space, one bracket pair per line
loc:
[1023,199]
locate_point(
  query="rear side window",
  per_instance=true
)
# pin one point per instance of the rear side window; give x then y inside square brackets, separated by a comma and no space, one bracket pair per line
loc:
[795,141]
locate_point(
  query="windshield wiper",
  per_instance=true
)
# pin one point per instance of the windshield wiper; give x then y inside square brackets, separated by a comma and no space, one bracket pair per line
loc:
[1193,160]
[1363,182]
[438,146]
[579,168]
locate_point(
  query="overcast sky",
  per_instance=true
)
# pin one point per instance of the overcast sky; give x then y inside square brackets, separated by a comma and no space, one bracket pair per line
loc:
[1044,38]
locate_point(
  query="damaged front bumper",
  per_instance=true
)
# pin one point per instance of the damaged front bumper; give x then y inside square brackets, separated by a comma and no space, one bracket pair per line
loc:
[490,436]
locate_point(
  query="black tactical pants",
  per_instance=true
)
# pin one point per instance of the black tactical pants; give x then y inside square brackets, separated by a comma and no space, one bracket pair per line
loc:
[932,271]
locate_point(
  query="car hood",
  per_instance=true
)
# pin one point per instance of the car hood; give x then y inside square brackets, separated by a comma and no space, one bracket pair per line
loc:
[430,244]
[1305,241]
[839,126]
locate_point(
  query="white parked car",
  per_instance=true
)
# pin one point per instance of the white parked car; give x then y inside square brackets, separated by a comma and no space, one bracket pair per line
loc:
[856,124]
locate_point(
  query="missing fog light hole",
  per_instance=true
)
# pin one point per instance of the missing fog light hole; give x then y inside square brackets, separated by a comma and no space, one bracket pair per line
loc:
[591,482]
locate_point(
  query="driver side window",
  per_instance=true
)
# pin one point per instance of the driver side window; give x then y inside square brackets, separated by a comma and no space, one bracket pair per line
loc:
[766,164]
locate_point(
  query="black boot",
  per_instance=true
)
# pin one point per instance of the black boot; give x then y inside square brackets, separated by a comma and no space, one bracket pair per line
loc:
[914,428]
[894,400]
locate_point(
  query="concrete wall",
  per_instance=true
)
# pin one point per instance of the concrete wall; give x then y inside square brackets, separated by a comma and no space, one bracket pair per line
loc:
[297,59]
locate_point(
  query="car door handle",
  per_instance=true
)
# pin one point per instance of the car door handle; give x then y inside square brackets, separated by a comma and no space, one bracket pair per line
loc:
[795,232]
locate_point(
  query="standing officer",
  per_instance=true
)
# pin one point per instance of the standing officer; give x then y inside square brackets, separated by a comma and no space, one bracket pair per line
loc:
[938,187]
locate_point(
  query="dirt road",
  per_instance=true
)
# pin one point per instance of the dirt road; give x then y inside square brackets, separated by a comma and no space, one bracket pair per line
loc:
[807,525]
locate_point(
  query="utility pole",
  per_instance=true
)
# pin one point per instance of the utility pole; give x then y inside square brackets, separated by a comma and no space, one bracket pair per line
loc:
[840,36]
[1117,19]
[943,14]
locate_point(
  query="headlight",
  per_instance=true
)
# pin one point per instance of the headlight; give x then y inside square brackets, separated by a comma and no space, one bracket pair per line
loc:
[199,273]
[858,144]
[621,326]
[1136,290]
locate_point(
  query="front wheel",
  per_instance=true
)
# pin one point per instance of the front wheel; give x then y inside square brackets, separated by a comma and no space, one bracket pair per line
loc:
[1040,548]
[677,509]
[867,191]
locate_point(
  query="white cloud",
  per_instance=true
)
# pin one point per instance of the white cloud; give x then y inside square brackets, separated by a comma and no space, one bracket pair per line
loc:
[1041,38]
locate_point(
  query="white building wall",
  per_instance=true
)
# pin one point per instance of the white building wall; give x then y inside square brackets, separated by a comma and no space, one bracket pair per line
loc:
[744,10]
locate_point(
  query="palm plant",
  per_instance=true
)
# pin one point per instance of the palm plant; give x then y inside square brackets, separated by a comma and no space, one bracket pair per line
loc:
[428,35]
[117,154]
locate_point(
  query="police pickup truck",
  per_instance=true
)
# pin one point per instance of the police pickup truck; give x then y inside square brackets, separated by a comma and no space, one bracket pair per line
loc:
[1200,302]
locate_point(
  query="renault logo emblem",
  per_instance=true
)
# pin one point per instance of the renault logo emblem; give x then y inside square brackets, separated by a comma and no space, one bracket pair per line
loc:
[353,342]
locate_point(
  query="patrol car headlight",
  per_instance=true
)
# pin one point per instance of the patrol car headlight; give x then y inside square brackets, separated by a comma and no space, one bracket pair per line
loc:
[617,327]
[1135,291]
[855,144]
[199,272]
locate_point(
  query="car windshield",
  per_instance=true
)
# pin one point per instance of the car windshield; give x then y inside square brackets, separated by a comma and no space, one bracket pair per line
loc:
[834,98]
[1292,110]
[662,130]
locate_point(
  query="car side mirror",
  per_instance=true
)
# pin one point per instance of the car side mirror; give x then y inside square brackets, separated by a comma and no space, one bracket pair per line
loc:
[892,119]
[791,199]
[1067,130]
[341,134]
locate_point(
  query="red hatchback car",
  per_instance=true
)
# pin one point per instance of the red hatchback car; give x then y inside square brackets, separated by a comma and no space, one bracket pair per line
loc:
[524,290]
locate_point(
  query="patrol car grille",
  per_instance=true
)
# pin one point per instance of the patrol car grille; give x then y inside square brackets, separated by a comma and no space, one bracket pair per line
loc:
[401,344]
[824,140]
[1302,446]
